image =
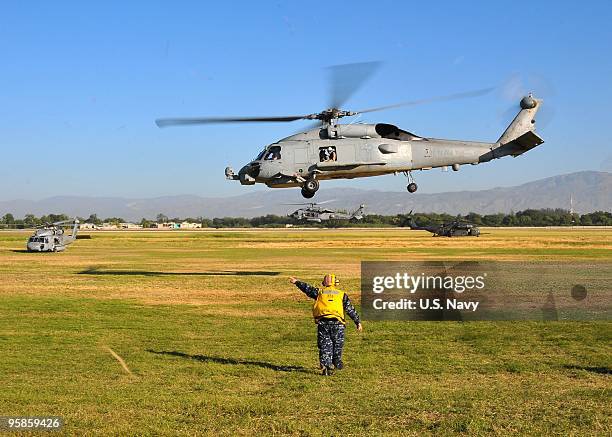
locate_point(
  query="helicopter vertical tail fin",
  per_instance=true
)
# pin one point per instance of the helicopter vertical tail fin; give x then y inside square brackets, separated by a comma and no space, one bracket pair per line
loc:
[410,221]
[524,121]
[75,229]
[520,135]
[358,214]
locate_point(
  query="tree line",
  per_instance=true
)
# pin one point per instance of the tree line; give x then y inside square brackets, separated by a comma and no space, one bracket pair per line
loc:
[528,217]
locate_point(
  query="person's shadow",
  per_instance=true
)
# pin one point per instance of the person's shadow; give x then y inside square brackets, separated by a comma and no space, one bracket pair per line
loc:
[233,361]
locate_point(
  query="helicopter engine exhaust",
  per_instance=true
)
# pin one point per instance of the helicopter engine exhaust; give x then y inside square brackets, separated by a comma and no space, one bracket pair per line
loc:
[352,131]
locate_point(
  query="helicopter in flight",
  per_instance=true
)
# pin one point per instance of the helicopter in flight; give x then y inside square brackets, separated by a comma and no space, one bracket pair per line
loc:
[313,212]
[346,151]
[52,238]
[455,228]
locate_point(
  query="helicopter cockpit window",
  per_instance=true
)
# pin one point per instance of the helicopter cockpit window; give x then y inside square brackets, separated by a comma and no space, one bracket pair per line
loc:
[260,155]
[327,154]
[273,153]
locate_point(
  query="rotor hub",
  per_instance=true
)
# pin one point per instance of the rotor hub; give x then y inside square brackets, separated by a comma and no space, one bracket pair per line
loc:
[329,115]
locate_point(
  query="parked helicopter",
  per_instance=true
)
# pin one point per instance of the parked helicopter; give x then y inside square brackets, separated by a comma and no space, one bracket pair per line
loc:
[348,151]
[450,229]
[51,237]
[313,212]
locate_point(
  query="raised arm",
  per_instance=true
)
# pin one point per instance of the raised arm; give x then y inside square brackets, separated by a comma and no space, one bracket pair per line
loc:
[307,289]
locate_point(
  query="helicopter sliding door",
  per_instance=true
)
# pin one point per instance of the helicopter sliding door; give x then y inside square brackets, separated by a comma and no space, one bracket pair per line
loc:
[300,159]
[300,155]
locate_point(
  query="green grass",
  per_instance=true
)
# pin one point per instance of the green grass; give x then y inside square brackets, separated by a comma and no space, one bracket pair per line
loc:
[218,342]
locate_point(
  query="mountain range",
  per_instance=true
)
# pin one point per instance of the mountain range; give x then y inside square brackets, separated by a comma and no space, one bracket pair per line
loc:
[590,191]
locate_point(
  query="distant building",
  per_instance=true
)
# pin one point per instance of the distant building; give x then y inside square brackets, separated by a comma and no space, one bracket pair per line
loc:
[130,226]
[174,225]
[167,225]
[83,226]
[189,225]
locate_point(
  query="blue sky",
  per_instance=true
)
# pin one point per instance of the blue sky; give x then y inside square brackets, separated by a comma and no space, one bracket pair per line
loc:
[81,85]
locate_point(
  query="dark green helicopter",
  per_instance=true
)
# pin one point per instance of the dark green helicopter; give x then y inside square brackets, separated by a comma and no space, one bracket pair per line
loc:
[455,228]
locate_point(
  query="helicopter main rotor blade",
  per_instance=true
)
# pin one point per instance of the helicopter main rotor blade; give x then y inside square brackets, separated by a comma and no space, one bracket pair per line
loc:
[312,203]
[456,96]
[64,222]
[310,126]
[165,122]
[345,79]
[326,201]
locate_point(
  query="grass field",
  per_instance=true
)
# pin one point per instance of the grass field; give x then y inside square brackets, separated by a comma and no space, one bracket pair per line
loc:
[215,340]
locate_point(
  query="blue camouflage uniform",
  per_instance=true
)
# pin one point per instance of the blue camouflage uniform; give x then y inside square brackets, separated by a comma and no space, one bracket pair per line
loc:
[330,332]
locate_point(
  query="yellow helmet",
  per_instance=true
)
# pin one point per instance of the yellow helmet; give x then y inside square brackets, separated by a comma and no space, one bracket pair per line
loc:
[330,280]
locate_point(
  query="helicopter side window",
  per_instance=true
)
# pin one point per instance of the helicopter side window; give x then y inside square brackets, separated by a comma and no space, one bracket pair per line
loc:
[274,153]
[327,154]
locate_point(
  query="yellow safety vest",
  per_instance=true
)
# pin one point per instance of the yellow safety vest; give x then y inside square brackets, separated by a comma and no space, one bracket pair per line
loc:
[329,304]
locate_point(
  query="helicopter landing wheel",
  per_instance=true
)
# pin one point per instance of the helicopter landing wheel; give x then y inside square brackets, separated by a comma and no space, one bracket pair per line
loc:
[412,186]
[311,185]
[307,194]
[309,188]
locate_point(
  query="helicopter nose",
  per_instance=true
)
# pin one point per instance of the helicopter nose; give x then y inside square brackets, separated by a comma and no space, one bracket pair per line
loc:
[252,169]
[248,173]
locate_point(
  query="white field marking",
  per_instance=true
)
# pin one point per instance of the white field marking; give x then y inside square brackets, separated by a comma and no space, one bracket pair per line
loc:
[118,358]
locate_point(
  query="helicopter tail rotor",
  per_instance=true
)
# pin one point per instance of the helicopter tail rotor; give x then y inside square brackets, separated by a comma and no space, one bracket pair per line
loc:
[519,85]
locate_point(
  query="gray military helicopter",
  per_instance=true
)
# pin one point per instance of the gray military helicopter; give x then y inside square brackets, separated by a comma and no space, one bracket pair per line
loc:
[313,212]
[347,151]
[455,228]
[52,238]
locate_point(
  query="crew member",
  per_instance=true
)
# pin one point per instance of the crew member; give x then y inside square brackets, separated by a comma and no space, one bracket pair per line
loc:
[329,309]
